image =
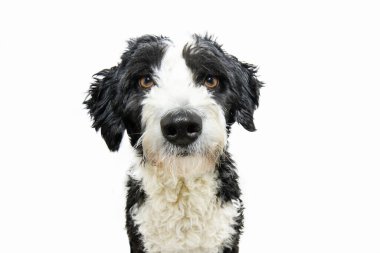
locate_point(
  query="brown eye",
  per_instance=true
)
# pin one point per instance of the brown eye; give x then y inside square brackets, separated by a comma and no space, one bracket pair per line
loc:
[146,82]
[211,82]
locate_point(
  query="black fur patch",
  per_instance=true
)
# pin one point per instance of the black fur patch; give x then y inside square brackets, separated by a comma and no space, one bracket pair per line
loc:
[228,179]
[135,198]
[102,107]
[114,99]
[238,92]
[229,190]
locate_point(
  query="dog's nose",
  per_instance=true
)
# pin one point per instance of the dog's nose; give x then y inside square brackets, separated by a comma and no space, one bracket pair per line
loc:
[181,128]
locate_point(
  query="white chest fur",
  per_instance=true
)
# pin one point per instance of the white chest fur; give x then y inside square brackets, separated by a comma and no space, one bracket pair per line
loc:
[183,215]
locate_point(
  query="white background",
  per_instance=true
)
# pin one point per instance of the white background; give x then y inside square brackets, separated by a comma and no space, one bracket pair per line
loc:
[309,174]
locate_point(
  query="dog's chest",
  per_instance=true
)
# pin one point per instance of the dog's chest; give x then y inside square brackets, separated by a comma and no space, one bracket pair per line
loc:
[183,215]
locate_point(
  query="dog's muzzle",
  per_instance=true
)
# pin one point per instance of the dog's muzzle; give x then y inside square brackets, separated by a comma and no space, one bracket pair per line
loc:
[181,128]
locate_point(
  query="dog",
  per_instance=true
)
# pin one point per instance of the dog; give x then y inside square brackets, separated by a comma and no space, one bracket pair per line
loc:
[177,103]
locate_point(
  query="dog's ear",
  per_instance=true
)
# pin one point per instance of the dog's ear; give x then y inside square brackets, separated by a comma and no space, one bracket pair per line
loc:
[101,104]
[249,96]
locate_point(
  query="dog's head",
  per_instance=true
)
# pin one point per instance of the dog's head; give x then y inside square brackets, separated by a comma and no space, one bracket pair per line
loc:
[174,100]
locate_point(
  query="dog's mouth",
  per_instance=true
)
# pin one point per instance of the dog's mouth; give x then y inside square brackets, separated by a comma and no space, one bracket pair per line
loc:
[165,152]
[192,150]
[180,151]
[183,153]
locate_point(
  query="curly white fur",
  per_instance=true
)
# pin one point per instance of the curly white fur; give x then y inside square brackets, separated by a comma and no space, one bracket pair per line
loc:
[182,214]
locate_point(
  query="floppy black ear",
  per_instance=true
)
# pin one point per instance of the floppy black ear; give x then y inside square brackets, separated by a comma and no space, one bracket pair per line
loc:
[249,96]
[101,103]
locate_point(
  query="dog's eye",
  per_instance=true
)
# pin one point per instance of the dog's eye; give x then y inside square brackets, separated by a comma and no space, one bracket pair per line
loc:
[211,82]
[146,82]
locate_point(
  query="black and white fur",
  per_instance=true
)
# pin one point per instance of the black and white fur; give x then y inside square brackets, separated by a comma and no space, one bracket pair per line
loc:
[180,199]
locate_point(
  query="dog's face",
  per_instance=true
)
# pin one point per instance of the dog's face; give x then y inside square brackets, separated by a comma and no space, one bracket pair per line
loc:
[174,100]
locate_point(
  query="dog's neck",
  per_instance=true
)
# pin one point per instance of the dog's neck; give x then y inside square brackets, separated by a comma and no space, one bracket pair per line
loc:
[184,198]
[177,176]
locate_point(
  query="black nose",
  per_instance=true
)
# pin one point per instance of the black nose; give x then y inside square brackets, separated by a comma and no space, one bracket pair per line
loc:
[181,128]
